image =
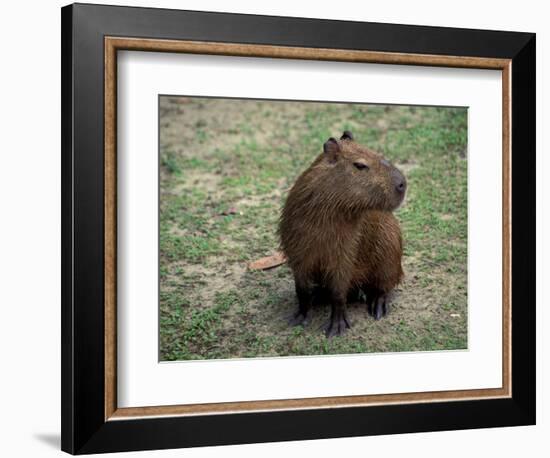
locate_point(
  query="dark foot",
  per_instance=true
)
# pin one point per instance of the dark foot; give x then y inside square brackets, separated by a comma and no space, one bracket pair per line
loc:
[378,307]
[298,319]
[337,325]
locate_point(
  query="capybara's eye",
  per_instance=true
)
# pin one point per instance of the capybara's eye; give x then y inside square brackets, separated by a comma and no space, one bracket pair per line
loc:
[361,165]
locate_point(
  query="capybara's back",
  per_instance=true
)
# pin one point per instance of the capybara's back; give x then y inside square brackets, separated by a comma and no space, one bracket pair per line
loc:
[338,231]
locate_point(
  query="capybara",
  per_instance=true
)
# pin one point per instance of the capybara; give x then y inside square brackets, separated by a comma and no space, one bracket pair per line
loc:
[338,231]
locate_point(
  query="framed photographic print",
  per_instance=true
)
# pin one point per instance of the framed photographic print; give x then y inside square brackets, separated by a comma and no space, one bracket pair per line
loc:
[281,228]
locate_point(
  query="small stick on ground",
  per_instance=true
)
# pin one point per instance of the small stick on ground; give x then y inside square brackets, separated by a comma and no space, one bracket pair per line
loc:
[268,262]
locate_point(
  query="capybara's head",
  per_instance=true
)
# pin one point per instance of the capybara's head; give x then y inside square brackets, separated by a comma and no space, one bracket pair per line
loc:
[367,178]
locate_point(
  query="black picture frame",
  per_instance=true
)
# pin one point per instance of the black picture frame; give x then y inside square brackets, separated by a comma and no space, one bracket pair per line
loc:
[84,428]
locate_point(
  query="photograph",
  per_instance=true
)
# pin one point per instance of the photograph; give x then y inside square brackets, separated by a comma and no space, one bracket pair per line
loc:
[308,228]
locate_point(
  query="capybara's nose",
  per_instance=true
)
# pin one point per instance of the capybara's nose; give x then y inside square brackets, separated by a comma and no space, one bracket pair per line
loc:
[401,186]
[399,181]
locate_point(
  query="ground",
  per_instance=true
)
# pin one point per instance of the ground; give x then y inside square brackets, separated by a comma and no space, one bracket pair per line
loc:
[225,169]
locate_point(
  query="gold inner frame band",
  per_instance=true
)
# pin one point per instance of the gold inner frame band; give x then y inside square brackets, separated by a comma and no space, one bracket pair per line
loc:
[112,45]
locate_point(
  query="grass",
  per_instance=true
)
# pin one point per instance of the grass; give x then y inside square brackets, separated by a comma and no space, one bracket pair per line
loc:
[226,166]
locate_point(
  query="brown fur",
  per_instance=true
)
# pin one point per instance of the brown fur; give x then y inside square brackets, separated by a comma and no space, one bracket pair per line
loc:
[338,231]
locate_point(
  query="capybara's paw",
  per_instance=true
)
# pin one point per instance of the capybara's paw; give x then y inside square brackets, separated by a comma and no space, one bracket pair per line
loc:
[298,319]
[378,308]
[337,326]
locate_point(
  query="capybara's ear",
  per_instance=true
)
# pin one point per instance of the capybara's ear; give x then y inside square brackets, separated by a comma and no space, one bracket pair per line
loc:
[347,135]
[331,146]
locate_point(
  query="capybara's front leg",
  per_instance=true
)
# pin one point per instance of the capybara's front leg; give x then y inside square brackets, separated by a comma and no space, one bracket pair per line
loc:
[378,308]
[338,322]
[304,291]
